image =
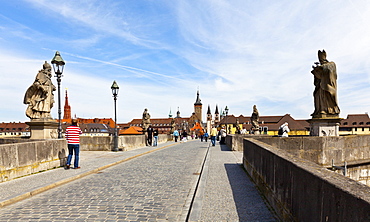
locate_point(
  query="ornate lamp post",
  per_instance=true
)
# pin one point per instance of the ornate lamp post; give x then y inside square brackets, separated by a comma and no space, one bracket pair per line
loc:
[115,89]
[227,111]
[58,66]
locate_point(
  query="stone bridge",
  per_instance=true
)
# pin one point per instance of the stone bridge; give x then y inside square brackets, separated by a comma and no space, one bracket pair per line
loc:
[296,175]
[293,174]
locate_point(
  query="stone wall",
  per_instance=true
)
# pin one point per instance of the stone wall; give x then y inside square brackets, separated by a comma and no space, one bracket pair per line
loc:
[354,149]
[19,159]
[125,143]
[301,190]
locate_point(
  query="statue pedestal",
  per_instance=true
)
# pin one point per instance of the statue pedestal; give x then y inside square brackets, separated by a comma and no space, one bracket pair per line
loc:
[43,129]
[324,126]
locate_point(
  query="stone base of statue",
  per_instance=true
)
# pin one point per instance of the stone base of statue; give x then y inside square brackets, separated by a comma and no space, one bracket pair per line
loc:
[43,128]
[255,131]
[325,126]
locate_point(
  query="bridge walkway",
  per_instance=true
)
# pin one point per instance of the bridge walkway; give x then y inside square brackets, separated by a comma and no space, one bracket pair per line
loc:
[188,181]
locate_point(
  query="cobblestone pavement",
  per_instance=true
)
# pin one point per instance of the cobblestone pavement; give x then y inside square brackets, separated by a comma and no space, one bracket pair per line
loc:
[228,193]
[153,187]
[157,186]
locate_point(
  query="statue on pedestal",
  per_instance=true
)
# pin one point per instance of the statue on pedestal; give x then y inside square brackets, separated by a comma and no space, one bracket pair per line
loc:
[39,96]
[40,99]
[254,120]
[237,126]
[173,126]
[145,123]
[325,94]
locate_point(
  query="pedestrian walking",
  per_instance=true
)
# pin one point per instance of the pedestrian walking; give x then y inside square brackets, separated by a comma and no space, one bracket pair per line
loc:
[72,134]
[184,136]
[201,135]
[155,134]
[223,135]
[176,135]
[213,136]
[206,136]
[150,135]
[284,130]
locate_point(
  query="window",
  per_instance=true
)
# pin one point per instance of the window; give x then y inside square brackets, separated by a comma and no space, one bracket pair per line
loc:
[345,123]
[354,123]
[361,123]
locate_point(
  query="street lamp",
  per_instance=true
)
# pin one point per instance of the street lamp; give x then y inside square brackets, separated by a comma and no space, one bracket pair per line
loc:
[227,111]
[58,66]
[115,89]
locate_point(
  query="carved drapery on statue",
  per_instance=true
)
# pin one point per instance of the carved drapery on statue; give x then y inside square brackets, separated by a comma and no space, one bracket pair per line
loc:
[145,123]
[173,125]
[325,94]
[39,96]
[255,118]
[237,126]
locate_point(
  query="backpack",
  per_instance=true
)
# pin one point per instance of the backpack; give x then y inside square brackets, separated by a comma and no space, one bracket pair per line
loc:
[280,131]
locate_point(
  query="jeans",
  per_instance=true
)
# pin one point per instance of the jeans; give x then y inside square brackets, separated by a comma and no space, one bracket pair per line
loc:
[213,140]
[76,149]
[155,141]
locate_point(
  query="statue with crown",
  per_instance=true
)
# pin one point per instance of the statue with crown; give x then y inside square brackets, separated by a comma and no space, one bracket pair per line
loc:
[40,99]
[325,118]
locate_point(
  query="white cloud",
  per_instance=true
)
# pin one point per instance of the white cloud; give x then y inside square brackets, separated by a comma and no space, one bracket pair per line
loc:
[239,53]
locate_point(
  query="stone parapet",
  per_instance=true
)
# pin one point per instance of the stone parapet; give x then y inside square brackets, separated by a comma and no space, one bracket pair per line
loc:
[19,159]
[354,149]
[301,190]
[125,143]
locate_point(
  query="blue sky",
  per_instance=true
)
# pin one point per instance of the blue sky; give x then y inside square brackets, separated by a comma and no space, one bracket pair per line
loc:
[238,53]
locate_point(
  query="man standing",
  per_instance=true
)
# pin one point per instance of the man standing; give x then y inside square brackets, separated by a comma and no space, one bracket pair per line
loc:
[176,134]
[73,139]
[150,135]
[155,134]
[213,136]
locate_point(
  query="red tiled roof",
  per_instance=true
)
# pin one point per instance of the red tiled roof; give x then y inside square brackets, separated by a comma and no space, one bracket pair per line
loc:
[356,120]
[132,130]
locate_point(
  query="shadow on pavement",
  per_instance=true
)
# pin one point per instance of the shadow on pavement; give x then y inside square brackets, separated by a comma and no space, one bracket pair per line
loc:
[249,204]
[224,147]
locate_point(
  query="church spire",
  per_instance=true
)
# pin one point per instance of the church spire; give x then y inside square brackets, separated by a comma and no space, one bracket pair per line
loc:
[67,108]
[170,115]
[197,102]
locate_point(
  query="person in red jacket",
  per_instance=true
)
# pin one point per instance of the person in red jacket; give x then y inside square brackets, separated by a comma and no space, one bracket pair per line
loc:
[73,139]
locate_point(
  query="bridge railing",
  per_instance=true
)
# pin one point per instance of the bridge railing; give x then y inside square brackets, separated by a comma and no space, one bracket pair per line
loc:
[300,190]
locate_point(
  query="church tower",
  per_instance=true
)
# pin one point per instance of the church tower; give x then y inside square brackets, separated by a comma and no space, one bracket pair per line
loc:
[198,108]
[209,120]
[209,114]
[217,116]
[67,109]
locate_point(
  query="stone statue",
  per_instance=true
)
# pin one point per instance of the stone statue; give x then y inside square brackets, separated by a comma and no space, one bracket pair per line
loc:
[173,125]
[325,94]
[146,120]
[237,126]
[255,118]
[39,96]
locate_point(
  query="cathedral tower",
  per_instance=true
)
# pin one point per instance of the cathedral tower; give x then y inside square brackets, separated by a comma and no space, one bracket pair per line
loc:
[198,108]
[217,115]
